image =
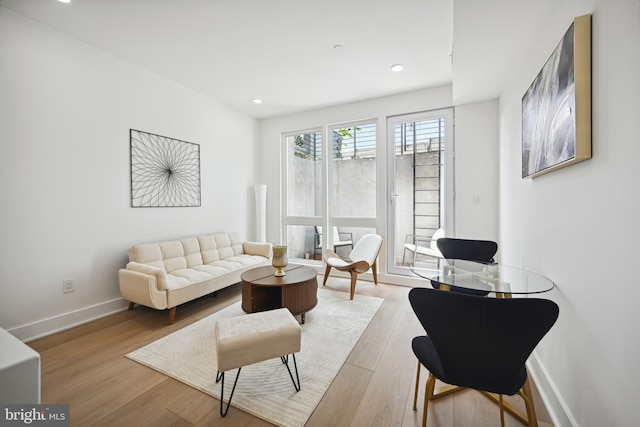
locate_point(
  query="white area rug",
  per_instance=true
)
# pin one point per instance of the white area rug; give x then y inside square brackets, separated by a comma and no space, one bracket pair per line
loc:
[330,332]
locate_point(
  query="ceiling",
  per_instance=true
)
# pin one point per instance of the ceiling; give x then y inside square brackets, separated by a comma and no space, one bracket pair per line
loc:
[283,51]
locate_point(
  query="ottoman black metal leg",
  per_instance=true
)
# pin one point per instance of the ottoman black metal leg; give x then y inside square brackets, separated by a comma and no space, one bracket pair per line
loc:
[220,376]
[285,360]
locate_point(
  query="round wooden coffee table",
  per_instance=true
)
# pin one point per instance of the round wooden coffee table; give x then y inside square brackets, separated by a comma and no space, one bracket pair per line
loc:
[297,290]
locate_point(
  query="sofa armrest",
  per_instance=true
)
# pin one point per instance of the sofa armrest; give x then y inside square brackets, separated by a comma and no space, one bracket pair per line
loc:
[159,273]
[257,248]
[141,288]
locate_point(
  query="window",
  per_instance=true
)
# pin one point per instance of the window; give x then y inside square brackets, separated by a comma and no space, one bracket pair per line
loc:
[304,174]
[343,199]
[353,171]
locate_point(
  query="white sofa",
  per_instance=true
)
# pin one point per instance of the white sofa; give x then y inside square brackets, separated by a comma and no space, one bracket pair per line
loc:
[167,274]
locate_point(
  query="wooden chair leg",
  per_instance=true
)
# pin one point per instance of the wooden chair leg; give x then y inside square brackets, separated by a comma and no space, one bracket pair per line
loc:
[326,274]
[374,269]
[428,393]
[354,278]
[525,392]
[415,397]
[131,304]
[501,403]
[172,315]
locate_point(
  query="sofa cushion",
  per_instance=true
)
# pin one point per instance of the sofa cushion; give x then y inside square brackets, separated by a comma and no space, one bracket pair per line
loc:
[223,243]
[213,270]
[192,275]
[209,249]
[244,260]
[226,264]
[192,252]
[236,243]
[173,254]
[150,254]
[177,282]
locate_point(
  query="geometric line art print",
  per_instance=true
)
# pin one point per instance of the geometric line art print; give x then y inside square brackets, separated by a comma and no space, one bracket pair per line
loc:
[165,172]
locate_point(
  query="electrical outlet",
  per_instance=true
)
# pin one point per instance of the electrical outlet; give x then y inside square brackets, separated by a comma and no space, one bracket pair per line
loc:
[69,285]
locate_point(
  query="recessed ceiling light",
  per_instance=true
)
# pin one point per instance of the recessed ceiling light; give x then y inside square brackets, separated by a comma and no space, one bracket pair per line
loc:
[64,1]
[256,101]
[397,67]
[337,47]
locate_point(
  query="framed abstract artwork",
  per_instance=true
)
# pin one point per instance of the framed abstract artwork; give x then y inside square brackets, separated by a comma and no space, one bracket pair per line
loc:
[556,109]
[165,172]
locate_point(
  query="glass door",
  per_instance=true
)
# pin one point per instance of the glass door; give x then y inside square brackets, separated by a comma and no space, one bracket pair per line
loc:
[421,188]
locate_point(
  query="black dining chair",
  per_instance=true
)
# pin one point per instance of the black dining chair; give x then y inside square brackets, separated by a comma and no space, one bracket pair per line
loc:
[480,343]
[468,250]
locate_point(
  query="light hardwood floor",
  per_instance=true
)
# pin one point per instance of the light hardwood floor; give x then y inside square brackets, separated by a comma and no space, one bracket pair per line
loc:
[86,368]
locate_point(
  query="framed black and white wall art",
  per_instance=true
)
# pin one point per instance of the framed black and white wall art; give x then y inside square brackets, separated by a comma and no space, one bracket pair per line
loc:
[165,172]
[556,109]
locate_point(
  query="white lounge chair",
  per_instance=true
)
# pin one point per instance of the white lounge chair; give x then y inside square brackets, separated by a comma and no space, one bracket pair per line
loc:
[422,245]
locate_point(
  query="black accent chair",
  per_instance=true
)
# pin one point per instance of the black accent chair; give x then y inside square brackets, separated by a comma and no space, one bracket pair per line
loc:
[480,343]
[468,250]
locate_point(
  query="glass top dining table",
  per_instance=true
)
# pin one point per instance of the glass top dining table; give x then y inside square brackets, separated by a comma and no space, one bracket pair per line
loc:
[500,279]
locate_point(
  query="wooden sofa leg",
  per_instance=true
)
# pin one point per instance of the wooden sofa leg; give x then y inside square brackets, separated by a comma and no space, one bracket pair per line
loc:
[172,315]
[131,304]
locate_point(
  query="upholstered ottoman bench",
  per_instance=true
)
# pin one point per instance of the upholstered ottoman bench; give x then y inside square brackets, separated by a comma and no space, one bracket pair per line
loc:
[252,338]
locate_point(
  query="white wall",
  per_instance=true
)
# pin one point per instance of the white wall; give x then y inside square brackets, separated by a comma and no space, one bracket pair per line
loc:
[580,225]
[476,170]
[65,113]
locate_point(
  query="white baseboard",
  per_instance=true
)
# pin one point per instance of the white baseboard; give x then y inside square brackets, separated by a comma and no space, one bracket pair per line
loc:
[44,327]
[557,408]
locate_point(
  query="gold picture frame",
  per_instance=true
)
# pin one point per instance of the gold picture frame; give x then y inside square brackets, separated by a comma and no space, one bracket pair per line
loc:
[556,109]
